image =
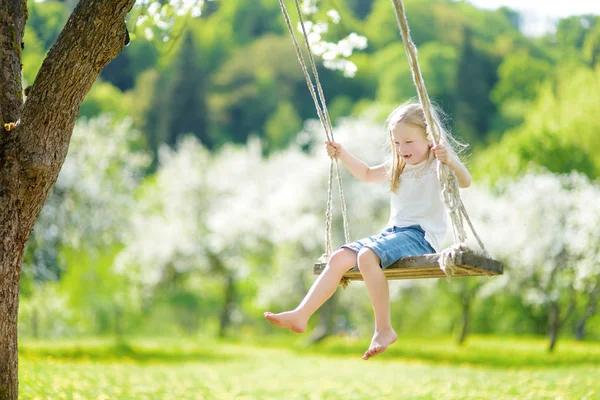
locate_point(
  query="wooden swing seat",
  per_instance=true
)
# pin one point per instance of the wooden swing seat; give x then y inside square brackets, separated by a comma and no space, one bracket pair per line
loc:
[426,266]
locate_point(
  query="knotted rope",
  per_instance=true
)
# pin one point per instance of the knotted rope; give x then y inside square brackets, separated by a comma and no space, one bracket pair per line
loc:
[447,178]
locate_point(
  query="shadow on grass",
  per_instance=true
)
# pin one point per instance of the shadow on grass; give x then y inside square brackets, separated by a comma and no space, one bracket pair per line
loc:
[125,351]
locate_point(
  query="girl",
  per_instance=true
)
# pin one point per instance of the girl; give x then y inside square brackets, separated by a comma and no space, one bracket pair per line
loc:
[417,222]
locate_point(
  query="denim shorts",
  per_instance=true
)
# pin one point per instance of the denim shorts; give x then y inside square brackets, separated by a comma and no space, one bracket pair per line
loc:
[395,243]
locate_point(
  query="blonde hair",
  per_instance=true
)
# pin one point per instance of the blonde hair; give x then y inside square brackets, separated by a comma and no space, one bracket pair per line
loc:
[411,113]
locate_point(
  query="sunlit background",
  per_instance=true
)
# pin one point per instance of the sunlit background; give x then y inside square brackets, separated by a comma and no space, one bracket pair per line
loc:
[193,199]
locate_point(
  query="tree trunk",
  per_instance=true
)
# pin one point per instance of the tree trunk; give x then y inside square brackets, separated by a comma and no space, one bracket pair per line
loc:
[590,311]
[580,328]
[326,320]
[466,319]
[553,325]
[32,154]
[228,304]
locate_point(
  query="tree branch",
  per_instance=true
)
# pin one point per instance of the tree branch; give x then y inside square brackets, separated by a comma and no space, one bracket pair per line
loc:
[93,36]
[13,15]
[570,308]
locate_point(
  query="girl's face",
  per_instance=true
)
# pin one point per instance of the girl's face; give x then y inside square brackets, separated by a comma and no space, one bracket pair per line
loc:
[410,142]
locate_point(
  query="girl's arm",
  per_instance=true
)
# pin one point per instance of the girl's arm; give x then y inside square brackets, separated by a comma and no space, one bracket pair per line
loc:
[462,174]
[358,168]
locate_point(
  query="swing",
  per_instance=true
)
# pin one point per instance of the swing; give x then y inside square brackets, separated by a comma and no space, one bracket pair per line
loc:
[457,260]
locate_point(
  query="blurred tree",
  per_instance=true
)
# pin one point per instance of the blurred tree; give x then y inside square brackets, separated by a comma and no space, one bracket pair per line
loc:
[185,106]
[559,131]
[475,78]
[178,104]
[282,126]
[360,8]
[545,229]
[520,77]
[571,31]
[85,218]
[47,19]
[251,19]
[104,98]
[250,85]
[591,46]
[381,26]
[33,55]
[139,56]
[514,17]
[438,65]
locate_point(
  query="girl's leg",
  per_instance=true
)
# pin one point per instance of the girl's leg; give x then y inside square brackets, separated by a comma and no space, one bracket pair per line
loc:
[321,290]
[377,286]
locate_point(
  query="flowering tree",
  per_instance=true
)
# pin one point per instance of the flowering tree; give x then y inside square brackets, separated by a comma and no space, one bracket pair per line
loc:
[544,227]
[335,54]
[218,214]
[87,212]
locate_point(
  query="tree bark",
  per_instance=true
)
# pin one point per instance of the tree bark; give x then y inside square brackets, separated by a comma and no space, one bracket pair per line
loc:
[466,319]
[32,154]
[326,320]
[556,322]
[553,325]
[228,305]
[590,311]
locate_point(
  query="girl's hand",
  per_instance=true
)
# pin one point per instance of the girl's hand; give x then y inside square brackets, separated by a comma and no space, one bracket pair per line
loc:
[441,153]
[334,149]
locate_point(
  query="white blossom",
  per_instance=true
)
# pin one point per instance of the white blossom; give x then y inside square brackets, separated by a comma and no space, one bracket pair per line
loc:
[309,7]
[335,55]
[334,15]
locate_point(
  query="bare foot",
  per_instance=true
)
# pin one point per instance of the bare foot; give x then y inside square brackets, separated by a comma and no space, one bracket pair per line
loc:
[288,319]
[381,340]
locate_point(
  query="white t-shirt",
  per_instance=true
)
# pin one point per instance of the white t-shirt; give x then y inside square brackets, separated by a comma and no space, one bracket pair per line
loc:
[419,201]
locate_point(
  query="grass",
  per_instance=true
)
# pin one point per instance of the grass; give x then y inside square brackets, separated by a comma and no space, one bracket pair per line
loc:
[487,368]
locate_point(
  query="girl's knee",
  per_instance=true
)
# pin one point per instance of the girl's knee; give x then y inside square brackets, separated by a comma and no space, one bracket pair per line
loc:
[343,259]
[367,257]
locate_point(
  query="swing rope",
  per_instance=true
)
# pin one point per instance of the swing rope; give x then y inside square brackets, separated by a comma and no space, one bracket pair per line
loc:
[450,188]
[323,113]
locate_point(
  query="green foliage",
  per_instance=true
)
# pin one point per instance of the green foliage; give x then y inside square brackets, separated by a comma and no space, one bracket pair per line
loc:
[282,126]
[474,82]
[33,55]
[133,60]
[591,47]
[571,31]
[517,88]
[185,106]
[260,74]
[47,20]
[559,132]
[98,294]
[251,19]
[104,98]
[517,82]
[360,8]
[522,150]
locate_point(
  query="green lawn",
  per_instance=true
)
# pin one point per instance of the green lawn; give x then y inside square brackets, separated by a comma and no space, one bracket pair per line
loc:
[183,369]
